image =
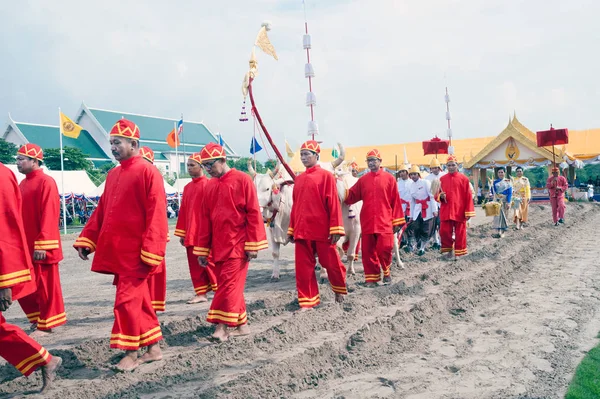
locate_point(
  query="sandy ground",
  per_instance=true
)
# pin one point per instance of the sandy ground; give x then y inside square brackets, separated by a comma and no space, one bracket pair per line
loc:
[510,320]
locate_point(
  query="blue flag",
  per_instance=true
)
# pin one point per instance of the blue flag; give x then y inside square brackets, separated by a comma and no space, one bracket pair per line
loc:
[254,146]
[221,140]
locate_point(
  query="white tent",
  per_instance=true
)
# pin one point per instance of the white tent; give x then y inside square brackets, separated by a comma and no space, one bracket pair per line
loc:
[76,181]
[180,183]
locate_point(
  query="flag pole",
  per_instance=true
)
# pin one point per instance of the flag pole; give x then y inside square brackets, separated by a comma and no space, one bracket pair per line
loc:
[183,136]
[177,162]
[62,173]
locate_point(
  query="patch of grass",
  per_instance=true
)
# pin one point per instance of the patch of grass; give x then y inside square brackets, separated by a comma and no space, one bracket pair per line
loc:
[586,382]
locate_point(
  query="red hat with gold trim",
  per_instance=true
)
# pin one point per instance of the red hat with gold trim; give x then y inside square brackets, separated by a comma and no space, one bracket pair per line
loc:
[147,153]
[452,158]
[312,146]
[125,128]
[32,151]
[196,157]
[354,166]
[374,153]
[212,151]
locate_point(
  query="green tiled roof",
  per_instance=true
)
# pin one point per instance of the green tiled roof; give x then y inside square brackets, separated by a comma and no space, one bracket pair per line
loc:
[48,137]
[164,147]
[153,128]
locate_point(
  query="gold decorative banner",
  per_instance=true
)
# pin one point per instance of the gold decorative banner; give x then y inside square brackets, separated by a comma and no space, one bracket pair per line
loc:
[512,150]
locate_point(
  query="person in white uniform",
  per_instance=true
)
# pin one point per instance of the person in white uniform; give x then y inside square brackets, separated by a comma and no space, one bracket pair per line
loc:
[423,207]
[436,172]
[404,184]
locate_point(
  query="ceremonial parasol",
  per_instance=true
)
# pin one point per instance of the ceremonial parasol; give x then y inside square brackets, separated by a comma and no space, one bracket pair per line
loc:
[435,146]
[552,137]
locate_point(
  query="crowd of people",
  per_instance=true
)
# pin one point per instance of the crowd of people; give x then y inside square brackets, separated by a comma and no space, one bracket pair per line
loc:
[220,225]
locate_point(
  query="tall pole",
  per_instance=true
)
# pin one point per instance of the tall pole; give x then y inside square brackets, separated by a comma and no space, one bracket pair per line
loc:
[62,173]
[309,73]
[448,118]
[177,161]
[182,135]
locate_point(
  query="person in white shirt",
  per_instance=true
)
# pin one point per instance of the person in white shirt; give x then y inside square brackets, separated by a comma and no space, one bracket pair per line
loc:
[404,184]
[436,172]
[423,207]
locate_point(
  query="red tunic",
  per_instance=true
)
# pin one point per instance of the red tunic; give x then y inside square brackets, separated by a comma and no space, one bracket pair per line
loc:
[382,209]
[129,228]
[16,269]
[316,212]
[557,186]
[459,200]
[192,199]
[229,222]
[41,213]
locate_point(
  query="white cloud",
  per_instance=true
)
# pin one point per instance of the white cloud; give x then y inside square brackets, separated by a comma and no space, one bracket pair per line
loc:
[381,66]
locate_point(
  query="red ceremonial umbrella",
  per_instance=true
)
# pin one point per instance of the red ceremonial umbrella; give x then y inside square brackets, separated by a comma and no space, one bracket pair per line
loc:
[435,146]
[552,137]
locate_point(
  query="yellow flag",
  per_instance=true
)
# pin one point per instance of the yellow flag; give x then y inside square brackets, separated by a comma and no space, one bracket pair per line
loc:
[68,127]
[288,149]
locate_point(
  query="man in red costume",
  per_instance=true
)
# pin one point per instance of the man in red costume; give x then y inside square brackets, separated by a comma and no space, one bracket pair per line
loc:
[316,226]
[41,212]
[156,282]
[557,186]
[456,208]
[17,280]
[203,278]
[128,230]
[380,218]
[231,229]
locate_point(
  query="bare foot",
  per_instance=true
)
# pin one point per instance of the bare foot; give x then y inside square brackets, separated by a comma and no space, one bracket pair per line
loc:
[220,335]
[387,279]
[153,354]
[49,372]
[198,299]
[339,298]
[37,334]
[304,310]
[128,363]
[371,285]
[240,331]
[274,279]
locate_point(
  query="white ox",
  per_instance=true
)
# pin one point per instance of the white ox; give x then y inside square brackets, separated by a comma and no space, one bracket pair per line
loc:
[275,197]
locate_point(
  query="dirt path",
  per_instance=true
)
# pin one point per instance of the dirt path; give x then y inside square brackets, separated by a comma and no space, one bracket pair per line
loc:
[508,321]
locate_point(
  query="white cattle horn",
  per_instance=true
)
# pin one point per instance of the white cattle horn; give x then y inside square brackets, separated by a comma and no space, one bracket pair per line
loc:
[251,169]
[339,159]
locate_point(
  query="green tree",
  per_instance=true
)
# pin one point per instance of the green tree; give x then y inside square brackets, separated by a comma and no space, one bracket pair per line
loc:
[8,151]
[98,175]
[74,159]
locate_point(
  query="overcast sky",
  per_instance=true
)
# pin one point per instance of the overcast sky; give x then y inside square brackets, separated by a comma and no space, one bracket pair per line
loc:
[381,65]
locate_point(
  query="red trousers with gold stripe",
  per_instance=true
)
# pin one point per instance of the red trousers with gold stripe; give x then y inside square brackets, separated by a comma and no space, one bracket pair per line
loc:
[229,306]
[19,350]
[136,324]
[460,237]
[377,255]
[157,283]
[204,279]
[306,279]
[45,306]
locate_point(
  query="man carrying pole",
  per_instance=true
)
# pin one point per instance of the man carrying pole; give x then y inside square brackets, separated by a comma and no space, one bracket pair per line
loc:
[557,186]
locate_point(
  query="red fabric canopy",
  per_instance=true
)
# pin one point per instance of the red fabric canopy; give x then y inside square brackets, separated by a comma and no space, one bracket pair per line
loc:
[435,146]
[546,138]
